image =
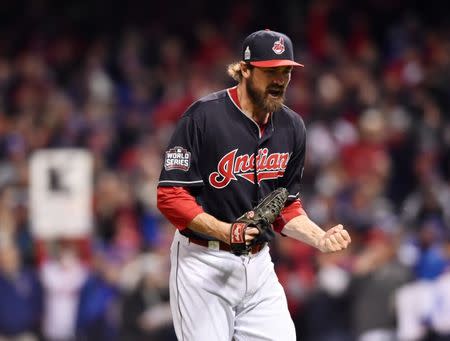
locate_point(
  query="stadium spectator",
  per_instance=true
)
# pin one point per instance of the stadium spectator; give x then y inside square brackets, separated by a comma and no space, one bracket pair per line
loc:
[20,297]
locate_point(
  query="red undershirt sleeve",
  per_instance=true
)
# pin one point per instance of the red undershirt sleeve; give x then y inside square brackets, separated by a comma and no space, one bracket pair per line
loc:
[178,206]
[292,210]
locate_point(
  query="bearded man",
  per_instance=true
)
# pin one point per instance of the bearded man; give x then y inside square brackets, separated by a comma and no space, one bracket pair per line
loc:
[229,150]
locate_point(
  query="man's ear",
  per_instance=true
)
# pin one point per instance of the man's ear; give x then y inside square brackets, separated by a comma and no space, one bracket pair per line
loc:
[245,69]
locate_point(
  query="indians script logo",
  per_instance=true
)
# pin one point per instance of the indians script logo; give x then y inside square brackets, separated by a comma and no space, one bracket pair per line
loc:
[278,46]
[269,166]
[177,158]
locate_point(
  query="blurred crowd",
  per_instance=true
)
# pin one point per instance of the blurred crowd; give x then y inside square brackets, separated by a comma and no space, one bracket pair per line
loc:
[374,94]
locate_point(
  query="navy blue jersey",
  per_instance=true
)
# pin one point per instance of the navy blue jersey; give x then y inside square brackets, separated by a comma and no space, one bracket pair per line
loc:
[214,150]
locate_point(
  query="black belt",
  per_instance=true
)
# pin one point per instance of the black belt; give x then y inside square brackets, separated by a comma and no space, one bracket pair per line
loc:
[218,245]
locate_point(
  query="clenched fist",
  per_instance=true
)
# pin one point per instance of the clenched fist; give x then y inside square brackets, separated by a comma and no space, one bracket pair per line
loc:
[335,239]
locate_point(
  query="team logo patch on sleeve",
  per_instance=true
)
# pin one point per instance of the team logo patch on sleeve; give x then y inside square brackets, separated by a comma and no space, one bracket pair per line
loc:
[177,158]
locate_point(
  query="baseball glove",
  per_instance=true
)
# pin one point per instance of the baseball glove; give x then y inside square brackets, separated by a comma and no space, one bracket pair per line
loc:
[261,217]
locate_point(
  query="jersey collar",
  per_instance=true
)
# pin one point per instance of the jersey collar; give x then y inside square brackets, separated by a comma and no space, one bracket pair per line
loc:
[233,94]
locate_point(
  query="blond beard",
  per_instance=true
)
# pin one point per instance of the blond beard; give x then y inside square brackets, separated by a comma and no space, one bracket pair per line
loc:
[262,100]
[273,104]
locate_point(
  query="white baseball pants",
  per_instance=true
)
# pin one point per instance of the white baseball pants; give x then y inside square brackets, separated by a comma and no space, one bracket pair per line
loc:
[215,295]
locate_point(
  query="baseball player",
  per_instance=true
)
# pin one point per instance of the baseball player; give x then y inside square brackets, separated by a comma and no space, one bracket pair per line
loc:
[229,150]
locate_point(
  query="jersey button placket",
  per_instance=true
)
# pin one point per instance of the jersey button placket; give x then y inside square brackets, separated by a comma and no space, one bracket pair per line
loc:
[267,134]
[245,261]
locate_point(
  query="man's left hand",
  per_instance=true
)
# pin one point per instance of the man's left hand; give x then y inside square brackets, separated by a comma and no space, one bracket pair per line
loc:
[335,239]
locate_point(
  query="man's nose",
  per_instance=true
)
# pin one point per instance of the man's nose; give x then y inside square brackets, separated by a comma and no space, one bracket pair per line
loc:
[279,80]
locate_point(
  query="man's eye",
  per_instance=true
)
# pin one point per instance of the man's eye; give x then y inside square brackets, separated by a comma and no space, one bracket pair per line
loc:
[272,72]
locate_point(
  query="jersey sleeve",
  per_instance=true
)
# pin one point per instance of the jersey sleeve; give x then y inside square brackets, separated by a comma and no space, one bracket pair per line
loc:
[292,177]
[178,206]
[290,211]
[181,157]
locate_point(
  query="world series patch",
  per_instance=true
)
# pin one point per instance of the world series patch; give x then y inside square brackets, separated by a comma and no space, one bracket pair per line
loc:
[177,158]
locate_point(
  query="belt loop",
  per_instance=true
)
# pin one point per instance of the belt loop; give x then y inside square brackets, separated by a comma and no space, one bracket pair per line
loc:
[184,240]
[214,245]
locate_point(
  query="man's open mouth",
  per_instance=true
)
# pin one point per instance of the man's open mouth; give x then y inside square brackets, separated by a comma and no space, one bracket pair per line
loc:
[275,92]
